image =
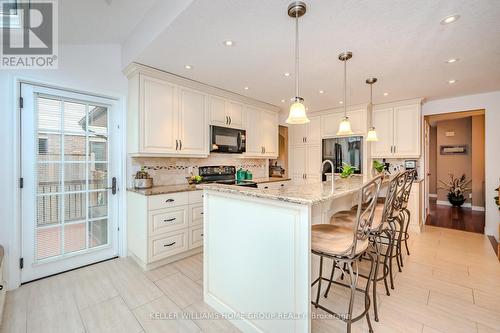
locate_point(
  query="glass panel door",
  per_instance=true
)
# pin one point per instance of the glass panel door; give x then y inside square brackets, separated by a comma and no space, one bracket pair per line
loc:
[70,165]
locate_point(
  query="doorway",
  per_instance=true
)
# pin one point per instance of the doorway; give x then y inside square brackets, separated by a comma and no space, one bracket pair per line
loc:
[454,148]
[69,165]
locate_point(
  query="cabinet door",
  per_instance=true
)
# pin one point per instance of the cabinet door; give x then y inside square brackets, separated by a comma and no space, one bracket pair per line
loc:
[234,111]
[253,131]
[313,162]
[218,111]
[158,120]
[384,124]
[314,130]
[193,123]
[407,131]
[269,134]
[297,134]
[358,121]
[298,163]
[330,124]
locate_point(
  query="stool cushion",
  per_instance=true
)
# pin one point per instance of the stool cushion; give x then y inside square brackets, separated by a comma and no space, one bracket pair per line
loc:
[347,218]
[335,240]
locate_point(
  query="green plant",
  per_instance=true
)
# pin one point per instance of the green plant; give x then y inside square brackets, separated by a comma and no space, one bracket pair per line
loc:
[142,174]
[457,188]
[497,201]
[347,170]
[378,166]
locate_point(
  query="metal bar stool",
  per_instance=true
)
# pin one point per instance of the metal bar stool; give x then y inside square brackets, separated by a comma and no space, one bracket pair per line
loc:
[405,213]
[345,245]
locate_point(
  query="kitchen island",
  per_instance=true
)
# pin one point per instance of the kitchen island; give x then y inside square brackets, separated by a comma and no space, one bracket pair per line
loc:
[257,258]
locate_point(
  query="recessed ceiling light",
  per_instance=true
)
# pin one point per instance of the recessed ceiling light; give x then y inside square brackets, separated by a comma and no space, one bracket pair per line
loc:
[188,66]
[452,81]
[246,88]
[282,101]
[450,19]
[386,94]
[229,42]
[452,60]
[321,91]
[341,102]
[286,74]
[307,109]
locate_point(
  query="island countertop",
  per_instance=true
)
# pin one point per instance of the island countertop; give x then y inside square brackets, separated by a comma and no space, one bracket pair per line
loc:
[306,194]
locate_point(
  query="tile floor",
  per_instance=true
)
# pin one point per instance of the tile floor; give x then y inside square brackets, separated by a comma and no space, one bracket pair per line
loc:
[449,283]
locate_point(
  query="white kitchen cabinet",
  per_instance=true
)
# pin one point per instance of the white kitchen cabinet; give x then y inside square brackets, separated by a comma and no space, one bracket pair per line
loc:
[330,122]
[226,113]
[306,133]
[398,131]
[261,132]
[305,163]
[276,185]
[193,129]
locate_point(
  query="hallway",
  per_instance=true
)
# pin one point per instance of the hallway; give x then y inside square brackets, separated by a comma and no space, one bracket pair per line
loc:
[464,219]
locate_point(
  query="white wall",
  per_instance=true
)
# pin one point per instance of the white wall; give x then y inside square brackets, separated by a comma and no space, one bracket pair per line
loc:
[87,68]
[490,102]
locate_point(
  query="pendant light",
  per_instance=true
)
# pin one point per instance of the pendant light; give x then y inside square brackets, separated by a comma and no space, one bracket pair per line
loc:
[345,124]
[297,113]
[372,134]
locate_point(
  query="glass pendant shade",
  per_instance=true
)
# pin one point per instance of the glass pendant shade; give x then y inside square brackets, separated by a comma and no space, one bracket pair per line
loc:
[297,115]
[372,135]
[345,127]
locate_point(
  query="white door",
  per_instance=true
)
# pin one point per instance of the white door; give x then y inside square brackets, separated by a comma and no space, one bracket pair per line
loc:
[69,161]
[314,130]
[384,124]
[406,131]
[330,124]
[313,163]
[253,131]
[193,134]
[358,121]
[269,133]
[218,115]
[298,134]
[426,169]
[298,163]
[158,116]
[234,112]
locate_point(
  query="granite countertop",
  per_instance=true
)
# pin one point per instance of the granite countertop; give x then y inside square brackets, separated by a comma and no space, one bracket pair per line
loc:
[270,180]
[164,189]
[306,194]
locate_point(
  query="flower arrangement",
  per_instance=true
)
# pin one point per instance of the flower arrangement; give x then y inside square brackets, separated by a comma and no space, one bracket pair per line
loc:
[457,189]
[347,170]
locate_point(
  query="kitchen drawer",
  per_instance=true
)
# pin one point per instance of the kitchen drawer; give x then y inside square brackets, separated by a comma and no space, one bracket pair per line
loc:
[273,185]
[168,244]
[195,197]
[167,200]
[196,217]
[195,237]
[170,219]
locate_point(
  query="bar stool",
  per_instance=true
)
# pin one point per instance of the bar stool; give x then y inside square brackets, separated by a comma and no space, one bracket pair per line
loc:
[345,245]
[404,211]
[379,228]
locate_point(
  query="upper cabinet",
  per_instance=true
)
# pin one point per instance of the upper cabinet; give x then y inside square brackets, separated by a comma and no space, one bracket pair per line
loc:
[398,131]
[306,133]
[330,122]
[193,129]
[226,113]
[261,132]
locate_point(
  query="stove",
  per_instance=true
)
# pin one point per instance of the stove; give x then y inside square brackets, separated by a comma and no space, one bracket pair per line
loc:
[223,175]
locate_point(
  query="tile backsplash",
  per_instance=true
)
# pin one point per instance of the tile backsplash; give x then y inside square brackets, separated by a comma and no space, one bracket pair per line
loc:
[173,171]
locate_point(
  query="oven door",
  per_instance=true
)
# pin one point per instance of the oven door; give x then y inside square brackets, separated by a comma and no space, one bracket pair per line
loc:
[227,140]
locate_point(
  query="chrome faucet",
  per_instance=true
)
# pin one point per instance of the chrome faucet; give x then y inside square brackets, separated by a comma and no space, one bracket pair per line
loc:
[333,170]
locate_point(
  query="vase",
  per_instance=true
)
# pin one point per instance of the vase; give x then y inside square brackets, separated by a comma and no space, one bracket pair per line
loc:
[456,201]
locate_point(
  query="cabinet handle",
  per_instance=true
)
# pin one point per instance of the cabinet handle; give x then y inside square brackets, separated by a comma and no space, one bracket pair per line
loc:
[169,220]
[180,144]
[1,287]
[394,149]
[266,187]
[230,120]
[201,235]
[201,213]
[305,139]
[176,144]
[170,200]
[264,149]
[282,185]
[165,245]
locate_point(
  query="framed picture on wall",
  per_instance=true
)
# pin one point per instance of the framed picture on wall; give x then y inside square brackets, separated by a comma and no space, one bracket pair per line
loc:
[453,150]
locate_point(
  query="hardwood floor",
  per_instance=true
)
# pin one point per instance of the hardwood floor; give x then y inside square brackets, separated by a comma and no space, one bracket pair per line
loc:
[455,218]
[449,283]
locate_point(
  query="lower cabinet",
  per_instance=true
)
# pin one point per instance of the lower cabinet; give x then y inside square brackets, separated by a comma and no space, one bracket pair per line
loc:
[274,185]
[164,228]
[305,163]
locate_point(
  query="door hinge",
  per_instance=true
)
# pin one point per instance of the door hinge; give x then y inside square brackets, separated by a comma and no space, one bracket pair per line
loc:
[21,182]
[21,102]
[21,263]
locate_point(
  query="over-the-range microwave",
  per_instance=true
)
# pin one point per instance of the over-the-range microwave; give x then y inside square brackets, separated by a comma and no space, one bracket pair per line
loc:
[227,140]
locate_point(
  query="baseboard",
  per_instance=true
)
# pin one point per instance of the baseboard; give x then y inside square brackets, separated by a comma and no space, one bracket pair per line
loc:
[478,208]
[446,203]
[433,195]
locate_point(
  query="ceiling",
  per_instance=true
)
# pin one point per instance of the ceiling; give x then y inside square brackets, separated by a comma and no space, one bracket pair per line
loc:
[401,42]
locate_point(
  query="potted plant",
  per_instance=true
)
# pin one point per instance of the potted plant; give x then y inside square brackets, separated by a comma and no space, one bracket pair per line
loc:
[497,201]
[142,179]
[378,166]
[457,189]
[347,170]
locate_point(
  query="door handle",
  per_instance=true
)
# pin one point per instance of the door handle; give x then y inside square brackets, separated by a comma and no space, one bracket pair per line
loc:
[113,186]
[165,245]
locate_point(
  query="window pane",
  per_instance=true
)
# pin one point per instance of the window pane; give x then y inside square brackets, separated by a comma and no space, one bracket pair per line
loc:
[48,209]
[49,114]
[98,120]
[74,147]
[49,147]
[48,242]
[98,147]
[98,233]
[98,175]
[74,206]
[49,177]
[74,237]
[74,177]
[98,204]
[74,117]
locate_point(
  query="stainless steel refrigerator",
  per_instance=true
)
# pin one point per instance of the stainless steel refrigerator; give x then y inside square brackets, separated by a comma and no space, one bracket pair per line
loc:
[339,150]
